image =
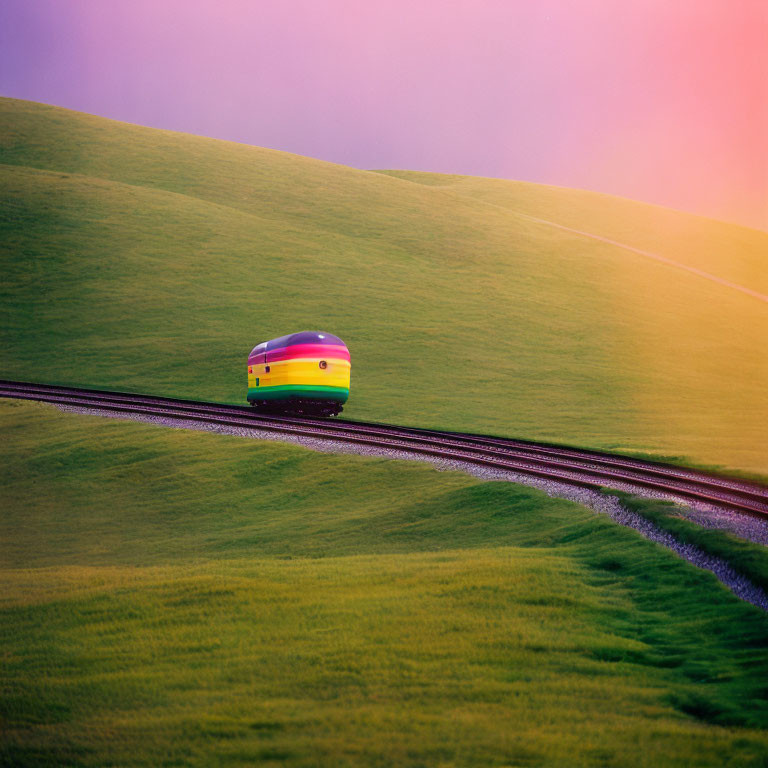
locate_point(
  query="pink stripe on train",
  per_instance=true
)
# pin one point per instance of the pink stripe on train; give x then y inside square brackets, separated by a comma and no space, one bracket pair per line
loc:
[323,351]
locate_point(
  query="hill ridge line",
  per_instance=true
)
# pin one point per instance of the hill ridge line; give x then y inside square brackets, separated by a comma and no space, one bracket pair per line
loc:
[146,187]
[438,188]
[451,190]
[463,178]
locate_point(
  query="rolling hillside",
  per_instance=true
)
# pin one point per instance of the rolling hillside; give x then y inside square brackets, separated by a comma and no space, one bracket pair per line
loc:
[142,259]
[157,609]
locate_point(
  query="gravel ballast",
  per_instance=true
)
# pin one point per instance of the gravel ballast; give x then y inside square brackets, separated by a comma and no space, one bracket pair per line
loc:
[707,515]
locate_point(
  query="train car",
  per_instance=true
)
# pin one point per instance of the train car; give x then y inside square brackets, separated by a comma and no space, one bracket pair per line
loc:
[306,372]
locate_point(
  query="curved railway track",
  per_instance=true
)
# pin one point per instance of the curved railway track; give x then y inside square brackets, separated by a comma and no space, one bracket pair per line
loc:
[590,469]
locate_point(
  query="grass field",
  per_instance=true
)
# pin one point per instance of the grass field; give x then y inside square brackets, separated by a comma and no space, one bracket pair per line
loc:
[180,598]
[141,259]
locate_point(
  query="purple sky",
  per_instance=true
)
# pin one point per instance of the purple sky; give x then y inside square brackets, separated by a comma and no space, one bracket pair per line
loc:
[665,101]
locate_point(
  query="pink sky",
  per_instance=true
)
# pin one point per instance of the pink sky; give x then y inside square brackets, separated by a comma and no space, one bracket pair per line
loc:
[659,100]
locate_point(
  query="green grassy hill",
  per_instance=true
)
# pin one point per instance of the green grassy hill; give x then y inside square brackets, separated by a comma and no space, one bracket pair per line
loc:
[191,599]
[142,259]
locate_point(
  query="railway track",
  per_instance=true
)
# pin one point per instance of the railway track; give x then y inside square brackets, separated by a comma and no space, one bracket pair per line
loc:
[590,469]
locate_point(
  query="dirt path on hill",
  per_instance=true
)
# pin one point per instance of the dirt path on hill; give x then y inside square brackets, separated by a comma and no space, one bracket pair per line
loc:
[649,255]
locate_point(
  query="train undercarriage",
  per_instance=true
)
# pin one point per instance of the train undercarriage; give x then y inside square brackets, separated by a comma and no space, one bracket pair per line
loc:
[298,407]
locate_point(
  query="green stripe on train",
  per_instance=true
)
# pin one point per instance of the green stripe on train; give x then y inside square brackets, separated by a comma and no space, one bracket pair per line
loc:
[297,390]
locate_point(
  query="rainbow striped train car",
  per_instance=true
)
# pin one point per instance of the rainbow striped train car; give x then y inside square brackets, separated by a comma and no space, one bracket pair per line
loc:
[305,372]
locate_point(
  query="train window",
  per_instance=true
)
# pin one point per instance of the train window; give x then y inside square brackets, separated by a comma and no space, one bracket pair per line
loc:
[323,364]
[266,370]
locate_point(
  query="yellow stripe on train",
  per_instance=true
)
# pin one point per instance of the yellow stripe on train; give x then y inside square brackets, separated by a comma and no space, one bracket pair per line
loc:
[308,371]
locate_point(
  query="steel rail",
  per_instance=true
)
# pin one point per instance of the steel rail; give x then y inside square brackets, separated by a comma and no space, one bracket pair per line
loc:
[509,445]
[572,454]
[590,469]
[534,448]
[628,472]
